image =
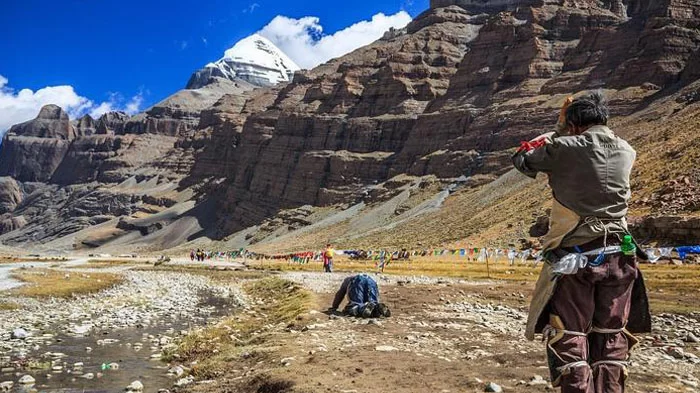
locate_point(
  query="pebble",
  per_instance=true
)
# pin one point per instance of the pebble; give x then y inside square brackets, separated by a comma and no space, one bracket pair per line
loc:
[493,387]
[184,381]
[177,371]
[691,338]
[135,386]
[676,352]
[6,386]
[88,376]
[26,380]
[537,380]
[20,334]
[692,384]
[385,348]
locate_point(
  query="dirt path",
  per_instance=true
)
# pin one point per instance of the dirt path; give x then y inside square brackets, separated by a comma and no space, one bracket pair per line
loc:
[445,335]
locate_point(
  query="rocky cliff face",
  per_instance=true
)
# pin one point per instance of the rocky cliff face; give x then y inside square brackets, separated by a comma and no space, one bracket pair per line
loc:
[467,81]
[366,145]
[74,175]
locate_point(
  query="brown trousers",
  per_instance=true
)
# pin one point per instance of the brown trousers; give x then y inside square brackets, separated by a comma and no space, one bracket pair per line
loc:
[595,297]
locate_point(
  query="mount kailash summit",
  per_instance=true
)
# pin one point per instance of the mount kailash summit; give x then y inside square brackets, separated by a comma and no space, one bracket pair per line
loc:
[253,59]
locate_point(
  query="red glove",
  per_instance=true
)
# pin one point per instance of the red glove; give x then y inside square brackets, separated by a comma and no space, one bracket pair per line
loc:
[529,146]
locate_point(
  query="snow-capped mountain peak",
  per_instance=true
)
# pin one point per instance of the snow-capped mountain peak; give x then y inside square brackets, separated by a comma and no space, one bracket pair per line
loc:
[254,59]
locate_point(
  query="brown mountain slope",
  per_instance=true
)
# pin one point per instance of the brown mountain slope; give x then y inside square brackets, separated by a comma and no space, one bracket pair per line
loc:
[405,141]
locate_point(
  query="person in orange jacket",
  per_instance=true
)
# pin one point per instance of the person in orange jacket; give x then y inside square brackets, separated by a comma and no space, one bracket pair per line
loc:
[328,255]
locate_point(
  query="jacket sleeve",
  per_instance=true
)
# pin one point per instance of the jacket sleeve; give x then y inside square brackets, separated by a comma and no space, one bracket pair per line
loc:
[542,159]
[340,295]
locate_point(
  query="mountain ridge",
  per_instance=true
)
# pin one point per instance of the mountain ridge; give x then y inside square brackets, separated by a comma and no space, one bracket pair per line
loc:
[404,141]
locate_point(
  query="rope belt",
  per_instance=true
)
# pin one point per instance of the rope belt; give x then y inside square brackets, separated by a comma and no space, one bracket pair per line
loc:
[550,331]
[606,331]
[618,363]
[581,363]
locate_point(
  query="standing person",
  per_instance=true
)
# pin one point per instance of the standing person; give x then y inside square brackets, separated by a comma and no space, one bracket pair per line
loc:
[590,296]
[384,259]
[192,255]
[328,255]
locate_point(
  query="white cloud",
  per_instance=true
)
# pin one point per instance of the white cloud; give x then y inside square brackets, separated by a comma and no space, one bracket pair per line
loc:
[251,8]
[134,104]
[20,106]
[303,40]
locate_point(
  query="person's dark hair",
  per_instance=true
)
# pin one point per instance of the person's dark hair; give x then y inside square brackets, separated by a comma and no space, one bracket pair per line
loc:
[381,310]
[588,110]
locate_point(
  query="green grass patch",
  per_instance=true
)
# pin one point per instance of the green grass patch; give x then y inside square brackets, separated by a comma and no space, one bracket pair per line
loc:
[275,301]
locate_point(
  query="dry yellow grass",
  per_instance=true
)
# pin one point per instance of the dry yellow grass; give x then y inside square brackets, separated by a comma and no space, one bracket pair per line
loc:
[671,288]
[215,274]
[45,283]
[8,306]
[106,263]
[215,347]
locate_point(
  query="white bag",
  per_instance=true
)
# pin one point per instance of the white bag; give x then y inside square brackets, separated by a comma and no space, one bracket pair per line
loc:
[570,263]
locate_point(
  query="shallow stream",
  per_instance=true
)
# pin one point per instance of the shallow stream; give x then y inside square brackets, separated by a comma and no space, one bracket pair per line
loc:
[50,355]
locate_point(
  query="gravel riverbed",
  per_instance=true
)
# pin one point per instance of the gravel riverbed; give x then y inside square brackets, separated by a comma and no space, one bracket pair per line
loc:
[133,322]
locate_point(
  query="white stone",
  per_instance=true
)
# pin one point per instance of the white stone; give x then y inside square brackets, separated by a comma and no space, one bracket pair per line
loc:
[177,370]
[135,386]
[27,380]
[20,334]
[81,329]
[184,381]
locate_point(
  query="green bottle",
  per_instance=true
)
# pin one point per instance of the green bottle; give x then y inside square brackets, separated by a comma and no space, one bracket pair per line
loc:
[627,246]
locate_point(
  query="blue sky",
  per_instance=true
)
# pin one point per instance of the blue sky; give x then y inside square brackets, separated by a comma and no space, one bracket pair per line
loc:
[111,51]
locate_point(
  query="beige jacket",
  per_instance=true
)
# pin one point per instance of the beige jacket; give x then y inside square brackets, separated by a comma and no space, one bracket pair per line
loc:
[589,175]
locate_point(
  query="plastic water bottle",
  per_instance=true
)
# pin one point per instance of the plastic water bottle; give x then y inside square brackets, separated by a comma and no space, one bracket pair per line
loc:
[628,248]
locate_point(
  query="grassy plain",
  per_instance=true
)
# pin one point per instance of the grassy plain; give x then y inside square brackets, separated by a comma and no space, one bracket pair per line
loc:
[672,288]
